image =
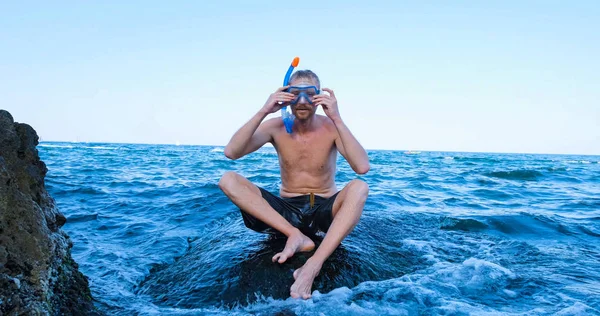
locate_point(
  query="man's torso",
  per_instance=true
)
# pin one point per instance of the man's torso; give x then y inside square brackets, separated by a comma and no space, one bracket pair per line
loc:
[307,161]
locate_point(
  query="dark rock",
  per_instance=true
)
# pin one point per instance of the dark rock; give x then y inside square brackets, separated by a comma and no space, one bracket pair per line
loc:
[37,273]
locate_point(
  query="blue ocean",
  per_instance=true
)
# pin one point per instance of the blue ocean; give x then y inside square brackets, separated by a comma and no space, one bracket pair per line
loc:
[444,233]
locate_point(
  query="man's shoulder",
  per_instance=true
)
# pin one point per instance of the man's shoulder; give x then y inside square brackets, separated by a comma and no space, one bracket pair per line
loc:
[272,123]
[326,122]
[324,119]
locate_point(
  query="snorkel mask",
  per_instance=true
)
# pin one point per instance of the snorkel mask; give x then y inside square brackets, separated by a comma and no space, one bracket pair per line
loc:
[307,92]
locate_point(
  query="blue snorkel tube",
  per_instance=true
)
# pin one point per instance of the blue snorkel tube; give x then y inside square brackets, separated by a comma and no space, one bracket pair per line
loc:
[287,116]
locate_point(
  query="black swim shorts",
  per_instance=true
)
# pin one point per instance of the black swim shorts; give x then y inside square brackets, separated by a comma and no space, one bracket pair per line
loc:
[304,214]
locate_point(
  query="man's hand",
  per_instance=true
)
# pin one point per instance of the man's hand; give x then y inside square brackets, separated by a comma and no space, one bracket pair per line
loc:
[329,104]
[277,100]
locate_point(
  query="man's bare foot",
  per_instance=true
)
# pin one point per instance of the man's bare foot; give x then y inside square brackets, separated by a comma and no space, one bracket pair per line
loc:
[304,277]
[297,242]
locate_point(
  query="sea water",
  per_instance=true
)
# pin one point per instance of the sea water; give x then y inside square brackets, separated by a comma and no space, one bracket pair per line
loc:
[441,233]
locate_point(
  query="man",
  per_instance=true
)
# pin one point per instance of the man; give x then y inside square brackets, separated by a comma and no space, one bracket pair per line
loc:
[309,200]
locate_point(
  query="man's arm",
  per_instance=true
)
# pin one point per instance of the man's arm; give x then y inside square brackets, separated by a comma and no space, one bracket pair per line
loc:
[253,135]
[249,137]
[351,149]
[346,143]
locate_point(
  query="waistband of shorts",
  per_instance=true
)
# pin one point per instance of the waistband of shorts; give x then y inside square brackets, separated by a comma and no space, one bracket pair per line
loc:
[310,198]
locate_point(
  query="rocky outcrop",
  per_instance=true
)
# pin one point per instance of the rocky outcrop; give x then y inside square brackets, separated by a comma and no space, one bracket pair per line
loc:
[37,274]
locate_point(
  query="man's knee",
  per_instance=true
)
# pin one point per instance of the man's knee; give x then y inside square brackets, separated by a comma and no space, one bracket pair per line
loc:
[228,181]
[359,188]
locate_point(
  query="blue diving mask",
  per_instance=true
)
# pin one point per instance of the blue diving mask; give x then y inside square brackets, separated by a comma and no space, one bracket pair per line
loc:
[307,92]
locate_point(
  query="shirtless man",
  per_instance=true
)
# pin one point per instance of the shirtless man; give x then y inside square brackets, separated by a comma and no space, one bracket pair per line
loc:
[309,200]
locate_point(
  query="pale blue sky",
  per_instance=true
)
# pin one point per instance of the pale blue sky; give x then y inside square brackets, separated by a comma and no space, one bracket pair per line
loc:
[500,76]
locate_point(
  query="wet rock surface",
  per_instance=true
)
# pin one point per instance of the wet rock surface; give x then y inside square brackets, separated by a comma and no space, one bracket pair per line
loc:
[37,272]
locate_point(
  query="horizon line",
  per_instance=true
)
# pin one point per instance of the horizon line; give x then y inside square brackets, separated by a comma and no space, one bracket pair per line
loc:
[367,149]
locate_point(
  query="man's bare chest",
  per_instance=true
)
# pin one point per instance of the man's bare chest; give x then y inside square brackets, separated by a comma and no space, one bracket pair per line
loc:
[306,154]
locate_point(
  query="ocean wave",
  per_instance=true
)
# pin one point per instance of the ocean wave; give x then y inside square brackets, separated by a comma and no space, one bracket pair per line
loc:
[460,202]
[521,226]
[477,160]
[464,224]
[497,195]
[589,230]
[85,191]
[577,309]
[487,182]
[557,169]
[267,151]
[82,146]
[82,217]
[587,204]
[101,147]
[578,161]
[217,150]
[521,174]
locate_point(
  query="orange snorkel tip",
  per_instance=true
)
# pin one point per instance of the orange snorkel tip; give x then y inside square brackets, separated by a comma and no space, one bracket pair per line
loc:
[295,62]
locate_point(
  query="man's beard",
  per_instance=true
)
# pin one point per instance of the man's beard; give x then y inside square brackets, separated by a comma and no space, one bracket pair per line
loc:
[306,114]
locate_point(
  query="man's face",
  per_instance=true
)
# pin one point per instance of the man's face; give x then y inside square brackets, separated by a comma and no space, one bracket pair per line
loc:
[303,109]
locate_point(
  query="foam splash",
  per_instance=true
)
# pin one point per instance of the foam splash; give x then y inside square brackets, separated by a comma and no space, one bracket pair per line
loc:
[101,147]
[55,146]
[443,288]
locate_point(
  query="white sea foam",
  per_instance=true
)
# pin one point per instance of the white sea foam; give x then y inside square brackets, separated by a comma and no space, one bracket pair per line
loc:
[268,150]
[443,288]
[418,245]
[421,246]
[578,161]
[217,150]
[578,309]
[55,146]
[100,147]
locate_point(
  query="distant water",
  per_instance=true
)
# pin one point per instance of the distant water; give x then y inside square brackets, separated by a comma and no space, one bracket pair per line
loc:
[441,233]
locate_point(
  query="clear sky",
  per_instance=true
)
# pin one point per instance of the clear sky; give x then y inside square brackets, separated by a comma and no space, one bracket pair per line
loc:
[499,76]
